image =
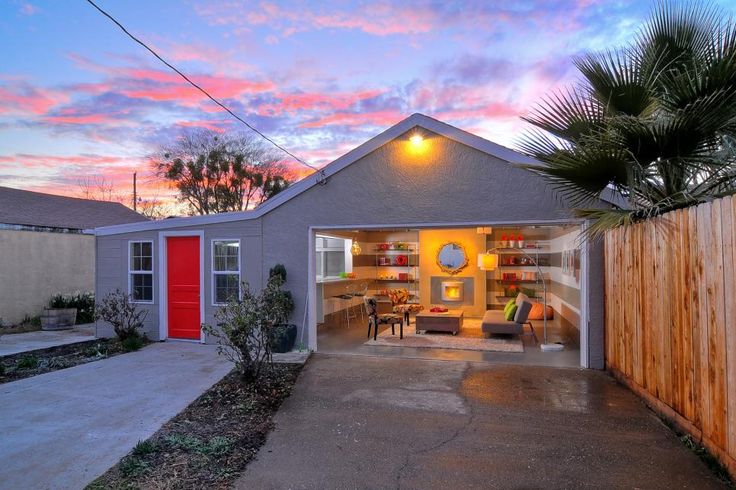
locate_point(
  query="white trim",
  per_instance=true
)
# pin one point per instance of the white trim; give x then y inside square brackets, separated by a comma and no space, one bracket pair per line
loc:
[130,272]
[411,122]
[450,224]
[584,302]
[163,311]
[311,299]
[213,272]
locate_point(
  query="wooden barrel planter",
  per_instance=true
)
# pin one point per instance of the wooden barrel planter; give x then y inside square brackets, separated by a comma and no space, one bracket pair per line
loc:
[58,318]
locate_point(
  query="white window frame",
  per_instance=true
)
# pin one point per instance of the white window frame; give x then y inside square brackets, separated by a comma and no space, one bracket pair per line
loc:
[214,273]
[131,272]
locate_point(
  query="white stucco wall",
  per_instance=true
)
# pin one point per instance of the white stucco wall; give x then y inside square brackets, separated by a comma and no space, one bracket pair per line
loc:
[36,265]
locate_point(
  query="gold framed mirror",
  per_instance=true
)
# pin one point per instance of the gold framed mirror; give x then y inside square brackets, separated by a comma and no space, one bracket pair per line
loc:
[452,258]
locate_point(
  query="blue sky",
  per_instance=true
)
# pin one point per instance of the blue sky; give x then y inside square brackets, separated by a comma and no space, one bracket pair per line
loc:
[79,99]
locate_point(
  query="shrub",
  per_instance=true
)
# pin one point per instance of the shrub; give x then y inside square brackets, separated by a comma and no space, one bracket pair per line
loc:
[132,343]
[83,302]
[245,327]
[118,310]
[27,362]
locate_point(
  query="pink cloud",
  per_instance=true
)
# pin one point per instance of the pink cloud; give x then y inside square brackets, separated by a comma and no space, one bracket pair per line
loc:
[22,98]
[296,102]
[212,124]
[379,118]
[379,18]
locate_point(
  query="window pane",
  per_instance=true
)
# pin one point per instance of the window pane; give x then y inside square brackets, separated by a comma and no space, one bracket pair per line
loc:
[141,256]
[334,263]
[226,255]
[141,287]
[219,263]
[232,263]
[226,287]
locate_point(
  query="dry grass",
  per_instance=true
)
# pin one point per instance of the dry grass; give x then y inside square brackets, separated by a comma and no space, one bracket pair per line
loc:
[27,364]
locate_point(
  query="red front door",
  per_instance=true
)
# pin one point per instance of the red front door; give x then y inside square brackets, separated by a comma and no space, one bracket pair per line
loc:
[182,279]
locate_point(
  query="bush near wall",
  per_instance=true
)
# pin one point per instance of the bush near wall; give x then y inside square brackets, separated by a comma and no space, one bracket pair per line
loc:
[84,302]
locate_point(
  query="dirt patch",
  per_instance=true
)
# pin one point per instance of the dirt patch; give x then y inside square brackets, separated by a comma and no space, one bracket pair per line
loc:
[32,363]
[210,443]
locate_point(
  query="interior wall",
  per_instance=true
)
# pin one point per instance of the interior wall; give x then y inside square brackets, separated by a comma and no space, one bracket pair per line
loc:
[430,242]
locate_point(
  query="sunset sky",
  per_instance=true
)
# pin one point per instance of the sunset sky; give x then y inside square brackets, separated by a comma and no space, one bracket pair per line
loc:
[79,99]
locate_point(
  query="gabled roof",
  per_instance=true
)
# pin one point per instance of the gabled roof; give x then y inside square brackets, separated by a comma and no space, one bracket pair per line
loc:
[27,208]
[349,158]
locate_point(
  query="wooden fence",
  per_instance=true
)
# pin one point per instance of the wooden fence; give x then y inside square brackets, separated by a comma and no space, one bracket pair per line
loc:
[671,318]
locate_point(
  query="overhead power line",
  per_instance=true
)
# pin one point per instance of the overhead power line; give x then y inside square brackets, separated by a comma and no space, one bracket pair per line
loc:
[207,94]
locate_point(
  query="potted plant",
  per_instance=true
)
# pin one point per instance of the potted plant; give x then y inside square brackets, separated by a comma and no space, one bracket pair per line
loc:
[58,315]
[283,335]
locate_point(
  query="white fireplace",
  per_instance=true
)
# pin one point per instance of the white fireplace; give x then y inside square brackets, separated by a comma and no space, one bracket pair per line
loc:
[452,291]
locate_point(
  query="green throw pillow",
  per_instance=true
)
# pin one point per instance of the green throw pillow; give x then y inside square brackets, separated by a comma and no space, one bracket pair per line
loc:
[511,313]
[508,306]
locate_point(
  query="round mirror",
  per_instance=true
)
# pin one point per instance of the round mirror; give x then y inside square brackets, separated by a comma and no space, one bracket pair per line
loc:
[452,258]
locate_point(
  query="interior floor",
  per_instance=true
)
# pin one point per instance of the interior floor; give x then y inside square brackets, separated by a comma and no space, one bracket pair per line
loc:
[336,337]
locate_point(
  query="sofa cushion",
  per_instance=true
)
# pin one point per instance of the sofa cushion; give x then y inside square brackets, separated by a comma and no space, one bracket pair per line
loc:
[508,306]
[522,312]
[495,323]
[510,313]
[537,312]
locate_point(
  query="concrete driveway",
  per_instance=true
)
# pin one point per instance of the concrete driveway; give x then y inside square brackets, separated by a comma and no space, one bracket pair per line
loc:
[15,343]
[63,429]
[367,422]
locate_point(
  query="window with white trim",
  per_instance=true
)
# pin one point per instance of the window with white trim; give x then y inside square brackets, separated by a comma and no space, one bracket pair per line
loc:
[225,271]
[140,271]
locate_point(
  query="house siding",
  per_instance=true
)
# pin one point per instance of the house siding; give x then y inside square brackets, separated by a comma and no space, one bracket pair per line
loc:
[450,183]
[112,266]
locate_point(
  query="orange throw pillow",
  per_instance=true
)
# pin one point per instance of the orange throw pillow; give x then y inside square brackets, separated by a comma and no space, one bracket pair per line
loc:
[537,312]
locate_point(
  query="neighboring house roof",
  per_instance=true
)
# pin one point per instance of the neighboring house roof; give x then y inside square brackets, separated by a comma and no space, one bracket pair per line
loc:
[426,122]
[19,207]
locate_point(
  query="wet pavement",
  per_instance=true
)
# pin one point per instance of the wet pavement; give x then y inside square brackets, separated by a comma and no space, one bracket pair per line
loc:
[372,422]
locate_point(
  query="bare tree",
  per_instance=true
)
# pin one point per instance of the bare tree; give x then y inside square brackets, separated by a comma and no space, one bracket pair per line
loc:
[216,173]
[98,189]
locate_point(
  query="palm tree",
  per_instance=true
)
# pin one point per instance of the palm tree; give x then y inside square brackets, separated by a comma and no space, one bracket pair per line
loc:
[652,124]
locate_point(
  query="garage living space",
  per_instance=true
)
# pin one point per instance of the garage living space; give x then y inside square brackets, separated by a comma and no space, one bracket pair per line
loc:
[441,292]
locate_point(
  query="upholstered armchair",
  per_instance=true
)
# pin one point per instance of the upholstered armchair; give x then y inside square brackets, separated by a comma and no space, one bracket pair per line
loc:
[400,303]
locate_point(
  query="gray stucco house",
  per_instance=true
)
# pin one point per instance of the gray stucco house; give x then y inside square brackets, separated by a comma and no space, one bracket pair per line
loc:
[420,177]
[46,247]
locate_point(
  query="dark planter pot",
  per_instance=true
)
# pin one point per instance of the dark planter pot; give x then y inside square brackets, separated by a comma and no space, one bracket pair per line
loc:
[283,338]
[58,318]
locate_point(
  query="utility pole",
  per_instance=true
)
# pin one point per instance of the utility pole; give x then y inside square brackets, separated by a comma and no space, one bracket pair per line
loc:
[135,192]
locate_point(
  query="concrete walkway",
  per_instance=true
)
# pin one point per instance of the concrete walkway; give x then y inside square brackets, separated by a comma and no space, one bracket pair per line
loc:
[367,422]
[63,429]
[15,343]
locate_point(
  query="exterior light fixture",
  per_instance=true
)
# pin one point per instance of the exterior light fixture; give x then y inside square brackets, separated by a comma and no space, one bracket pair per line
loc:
[416,139]
[355,248]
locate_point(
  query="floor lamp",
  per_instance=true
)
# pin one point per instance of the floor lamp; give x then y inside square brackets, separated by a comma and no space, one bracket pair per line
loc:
[488,261]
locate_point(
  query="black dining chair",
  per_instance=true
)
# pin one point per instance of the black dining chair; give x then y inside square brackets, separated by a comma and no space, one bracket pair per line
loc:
[375,319]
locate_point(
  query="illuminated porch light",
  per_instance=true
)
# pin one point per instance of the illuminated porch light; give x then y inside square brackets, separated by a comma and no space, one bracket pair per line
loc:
[417,140]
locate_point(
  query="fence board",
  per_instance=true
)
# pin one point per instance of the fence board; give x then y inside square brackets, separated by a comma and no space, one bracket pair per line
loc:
[670,285]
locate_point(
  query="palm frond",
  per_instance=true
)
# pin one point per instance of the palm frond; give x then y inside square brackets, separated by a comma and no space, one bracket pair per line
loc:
[567,114]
